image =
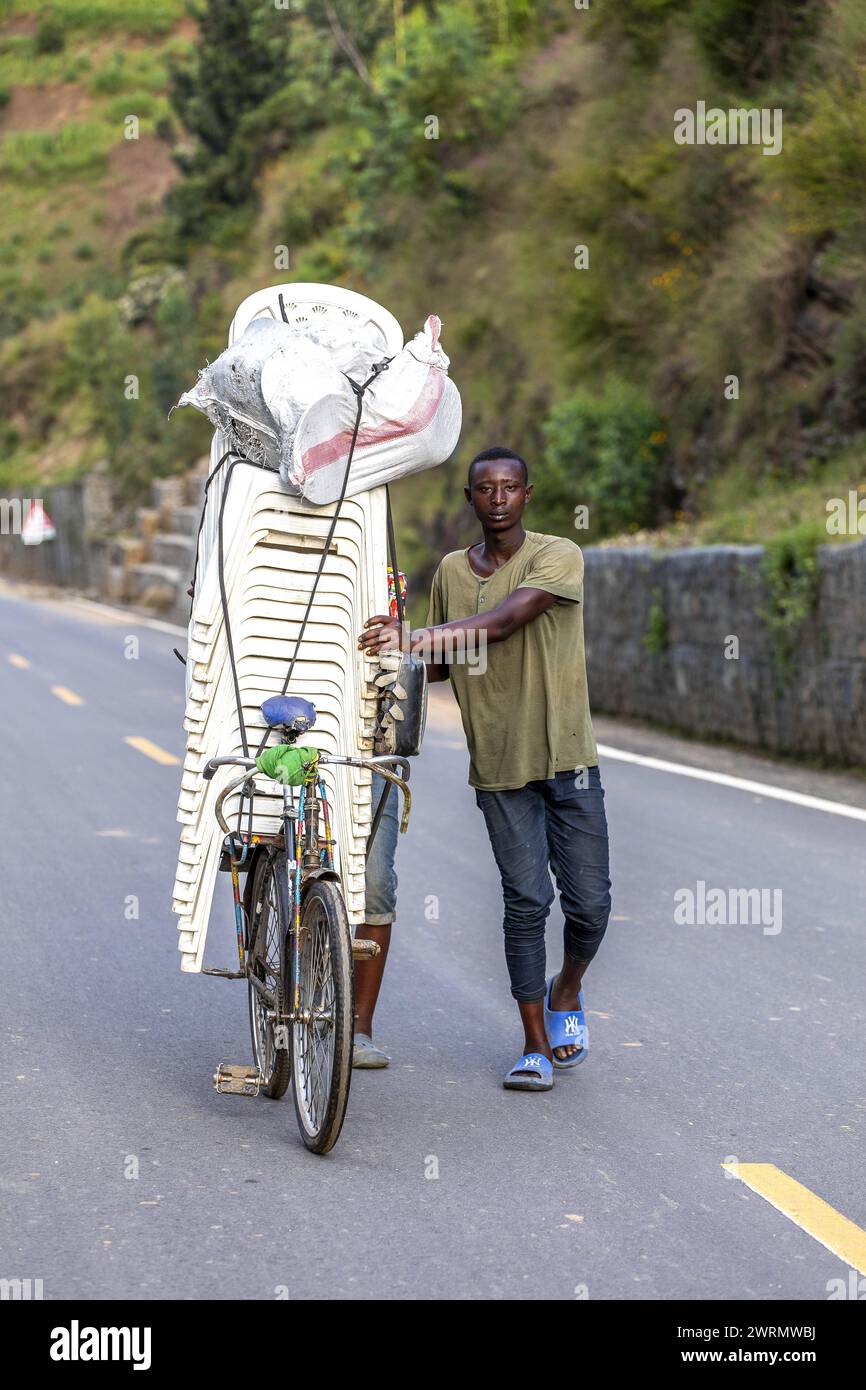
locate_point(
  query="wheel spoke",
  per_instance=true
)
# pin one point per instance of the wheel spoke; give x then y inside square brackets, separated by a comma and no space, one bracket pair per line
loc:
[266,966]
[315,1037]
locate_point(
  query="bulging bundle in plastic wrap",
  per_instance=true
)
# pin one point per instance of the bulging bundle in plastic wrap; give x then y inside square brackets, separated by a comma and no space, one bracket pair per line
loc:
[411,421]
[258,389]
[281,394]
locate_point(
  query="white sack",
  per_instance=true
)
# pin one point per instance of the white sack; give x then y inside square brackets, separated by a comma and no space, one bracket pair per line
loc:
[411,420]
[258,389]
[280,396]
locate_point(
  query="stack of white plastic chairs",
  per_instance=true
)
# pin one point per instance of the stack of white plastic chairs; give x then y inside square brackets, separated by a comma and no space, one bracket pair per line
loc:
[273,542]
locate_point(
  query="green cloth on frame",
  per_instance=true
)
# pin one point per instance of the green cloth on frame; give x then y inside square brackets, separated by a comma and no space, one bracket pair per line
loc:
[289,765]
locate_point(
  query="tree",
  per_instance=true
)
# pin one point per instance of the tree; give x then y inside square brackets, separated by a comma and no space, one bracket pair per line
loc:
[354,29]
[242,59]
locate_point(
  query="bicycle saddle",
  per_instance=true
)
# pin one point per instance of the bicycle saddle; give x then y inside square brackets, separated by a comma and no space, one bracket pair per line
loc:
[291,711]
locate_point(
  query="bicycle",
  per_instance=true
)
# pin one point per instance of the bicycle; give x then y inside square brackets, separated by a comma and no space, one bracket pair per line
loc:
[295,947]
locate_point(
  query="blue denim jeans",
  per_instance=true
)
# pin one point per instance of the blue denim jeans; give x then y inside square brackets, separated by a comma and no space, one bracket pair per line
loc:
[557,825]
[381,877]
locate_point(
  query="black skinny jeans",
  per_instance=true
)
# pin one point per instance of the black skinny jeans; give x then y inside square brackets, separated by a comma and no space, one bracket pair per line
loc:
[557,825]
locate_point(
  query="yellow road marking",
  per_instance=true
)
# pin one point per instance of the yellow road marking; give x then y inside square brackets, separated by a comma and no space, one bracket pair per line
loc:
[152,750]
[20,661]
[812,1214]
[68,697]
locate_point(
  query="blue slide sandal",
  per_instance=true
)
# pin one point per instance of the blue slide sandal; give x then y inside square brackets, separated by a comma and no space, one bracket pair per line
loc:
[564,1027]
[532,1073]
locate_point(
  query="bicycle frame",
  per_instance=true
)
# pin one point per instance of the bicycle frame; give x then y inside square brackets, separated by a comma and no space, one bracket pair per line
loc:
[306,856]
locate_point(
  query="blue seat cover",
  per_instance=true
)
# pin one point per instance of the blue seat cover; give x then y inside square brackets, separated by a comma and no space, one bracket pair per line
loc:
[298,714]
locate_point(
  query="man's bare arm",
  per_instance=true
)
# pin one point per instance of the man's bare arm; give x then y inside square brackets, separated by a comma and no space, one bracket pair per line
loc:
[514,612]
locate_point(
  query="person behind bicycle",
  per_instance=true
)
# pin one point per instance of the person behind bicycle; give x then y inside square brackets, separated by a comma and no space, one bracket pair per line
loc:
[381,903]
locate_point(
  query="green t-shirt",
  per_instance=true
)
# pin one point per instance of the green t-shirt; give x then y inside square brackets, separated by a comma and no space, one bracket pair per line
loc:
[526,715]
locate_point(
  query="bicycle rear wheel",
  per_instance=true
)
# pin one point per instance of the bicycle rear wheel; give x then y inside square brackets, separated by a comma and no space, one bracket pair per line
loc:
[322,1034]
[268,934]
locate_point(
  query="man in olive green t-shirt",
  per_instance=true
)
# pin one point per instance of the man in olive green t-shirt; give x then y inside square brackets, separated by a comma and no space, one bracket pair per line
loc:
[506,625]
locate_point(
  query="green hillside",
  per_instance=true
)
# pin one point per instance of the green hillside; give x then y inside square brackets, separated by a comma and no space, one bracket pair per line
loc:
[307,128]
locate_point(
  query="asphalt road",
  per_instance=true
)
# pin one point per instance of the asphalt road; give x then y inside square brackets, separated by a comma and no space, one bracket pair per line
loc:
[709,1043]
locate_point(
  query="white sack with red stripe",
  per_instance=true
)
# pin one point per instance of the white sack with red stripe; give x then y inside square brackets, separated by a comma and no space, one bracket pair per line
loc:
[410,421]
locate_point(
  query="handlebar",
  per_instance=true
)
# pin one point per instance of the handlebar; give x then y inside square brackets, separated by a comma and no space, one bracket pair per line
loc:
[211,767]
[381,763]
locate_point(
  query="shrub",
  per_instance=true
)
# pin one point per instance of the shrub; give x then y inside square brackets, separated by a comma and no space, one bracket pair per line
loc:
[748,41]
[56,154]
[10,437]
[141,104]
[450,73]
[111,79]
[657,637]
[639,23]
[824,168]
[606,452]
[790,570]
[19,303]
[50,35]
[322,263]
[75,69]
[176,356]
[130,16]
[309,209]
[848,408]
[100,354]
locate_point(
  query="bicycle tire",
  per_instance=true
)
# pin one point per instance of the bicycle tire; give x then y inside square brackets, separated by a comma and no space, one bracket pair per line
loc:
[268,961]
[322,1047]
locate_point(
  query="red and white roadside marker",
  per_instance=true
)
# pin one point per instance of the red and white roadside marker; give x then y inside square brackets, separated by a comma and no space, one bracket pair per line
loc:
[37,525]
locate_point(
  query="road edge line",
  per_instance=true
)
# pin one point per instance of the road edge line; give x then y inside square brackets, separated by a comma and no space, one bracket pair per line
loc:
[745,784]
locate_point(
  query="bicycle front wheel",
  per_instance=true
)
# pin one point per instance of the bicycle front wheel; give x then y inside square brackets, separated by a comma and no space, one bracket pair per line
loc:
[322,1031]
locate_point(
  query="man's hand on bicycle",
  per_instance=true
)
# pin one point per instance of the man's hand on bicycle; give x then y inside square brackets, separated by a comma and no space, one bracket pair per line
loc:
[381,633]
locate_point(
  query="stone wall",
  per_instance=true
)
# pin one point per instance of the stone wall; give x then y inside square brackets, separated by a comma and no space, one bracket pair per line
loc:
[81,512]
[145,560]
[658,625]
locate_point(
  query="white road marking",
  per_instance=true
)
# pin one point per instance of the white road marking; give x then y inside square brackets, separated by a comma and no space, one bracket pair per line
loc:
[743,784]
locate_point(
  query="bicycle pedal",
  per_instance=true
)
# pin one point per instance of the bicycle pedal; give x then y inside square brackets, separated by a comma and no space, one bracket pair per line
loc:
[362,949]
[236,1080]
